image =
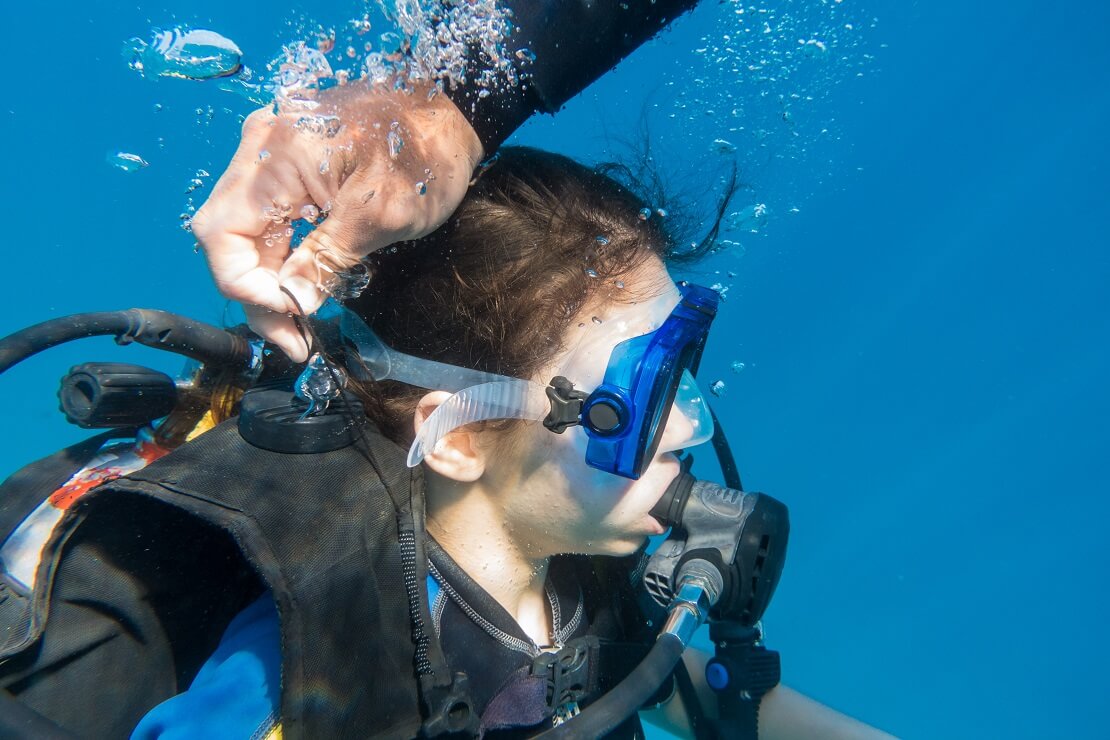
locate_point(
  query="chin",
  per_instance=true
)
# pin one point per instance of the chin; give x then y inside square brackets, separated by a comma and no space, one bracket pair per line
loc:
[625,546]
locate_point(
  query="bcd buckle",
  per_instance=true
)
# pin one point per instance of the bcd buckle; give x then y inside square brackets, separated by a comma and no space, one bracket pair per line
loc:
[571,673]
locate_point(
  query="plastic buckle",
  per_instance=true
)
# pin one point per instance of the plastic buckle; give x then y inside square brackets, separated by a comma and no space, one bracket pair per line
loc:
[570,673]
[449,712]
[742,665]
[566,405]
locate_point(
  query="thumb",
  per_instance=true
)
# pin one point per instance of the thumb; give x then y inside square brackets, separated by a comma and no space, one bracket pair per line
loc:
[311,271]
[279,328]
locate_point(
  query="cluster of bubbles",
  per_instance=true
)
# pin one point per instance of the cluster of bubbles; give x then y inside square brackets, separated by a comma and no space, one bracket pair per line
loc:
[429,41]
[426,41]
[761,72]
[434,39]
[298,76]
[198,181]
[758,82]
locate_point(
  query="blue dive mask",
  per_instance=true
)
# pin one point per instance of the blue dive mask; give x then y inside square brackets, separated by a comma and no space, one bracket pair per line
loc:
[627,417]
[647,377]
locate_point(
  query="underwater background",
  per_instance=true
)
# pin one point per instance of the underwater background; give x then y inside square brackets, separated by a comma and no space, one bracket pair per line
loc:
[914,347]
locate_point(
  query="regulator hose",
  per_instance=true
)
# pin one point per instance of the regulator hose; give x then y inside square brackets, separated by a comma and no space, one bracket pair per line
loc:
[159,329]
[608,712]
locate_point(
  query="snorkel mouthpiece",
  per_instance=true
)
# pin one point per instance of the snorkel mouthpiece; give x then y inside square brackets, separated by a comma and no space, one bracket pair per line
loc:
[743,534]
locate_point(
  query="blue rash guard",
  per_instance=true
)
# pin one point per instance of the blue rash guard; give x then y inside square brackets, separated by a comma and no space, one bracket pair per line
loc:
[236,693]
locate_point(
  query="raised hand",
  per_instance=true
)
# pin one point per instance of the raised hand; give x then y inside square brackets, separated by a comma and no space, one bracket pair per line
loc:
[382,165]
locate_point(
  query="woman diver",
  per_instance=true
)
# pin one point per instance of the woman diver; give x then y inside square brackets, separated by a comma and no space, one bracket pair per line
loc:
[547,286]
[300,573]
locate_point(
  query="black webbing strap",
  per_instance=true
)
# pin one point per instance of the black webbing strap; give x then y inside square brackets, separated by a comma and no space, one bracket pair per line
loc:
[741,673]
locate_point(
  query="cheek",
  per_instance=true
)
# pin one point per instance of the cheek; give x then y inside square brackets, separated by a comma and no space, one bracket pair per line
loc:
[563,479]
[567,496]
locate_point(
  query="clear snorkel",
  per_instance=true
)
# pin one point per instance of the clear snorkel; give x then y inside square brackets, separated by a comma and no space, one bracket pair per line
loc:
[477,395]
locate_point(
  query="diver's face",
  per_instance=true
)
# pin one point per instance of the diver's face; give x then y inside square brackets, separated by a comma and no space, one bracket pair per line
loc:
[552,497]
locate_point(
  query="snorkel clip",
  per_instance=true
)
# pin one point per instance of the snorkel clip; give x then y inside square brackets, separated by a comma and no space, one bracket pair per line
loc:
[566,405]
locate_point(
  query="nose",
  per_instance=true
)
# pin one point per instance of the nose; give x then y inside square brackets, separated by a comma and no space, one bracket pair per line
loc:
[689,422]
[678,430]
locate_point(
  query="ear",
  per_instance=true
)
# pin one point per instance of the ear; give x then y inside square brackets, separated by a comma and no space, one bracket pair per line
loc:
[458,455]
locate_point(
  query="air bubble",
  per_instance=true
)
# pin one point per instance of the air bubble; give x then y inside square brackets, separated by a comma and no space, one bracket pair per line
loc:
[722,146]
[749,219]
[602,240]
[320,125]
[591,272]
[185,54]
[310,213]
[645,214]
[126,161]
[718,388]
[421,188]
[361,25]
[737,366]
[396,144]
[276,214]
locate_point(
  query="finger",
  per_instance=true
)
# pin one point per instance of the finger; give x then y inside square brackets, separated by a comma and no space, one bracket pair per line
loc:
[242,226]
[328,249]
[245,251]
[279,328]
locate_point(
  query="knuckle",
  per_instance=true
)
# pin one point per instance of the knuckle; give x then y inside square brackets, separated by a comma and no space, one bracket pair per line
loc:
[257,120]
[337,249]
[202,222]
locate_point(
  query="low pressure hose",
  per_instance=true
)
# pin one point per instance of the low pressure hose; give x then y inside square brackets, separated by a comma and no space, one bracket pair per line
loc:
[159,329]
[700,587]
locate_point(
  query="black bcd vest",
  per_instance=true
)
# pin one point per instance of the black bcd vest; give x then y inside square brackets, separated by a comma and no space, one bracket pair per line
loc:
[336,537]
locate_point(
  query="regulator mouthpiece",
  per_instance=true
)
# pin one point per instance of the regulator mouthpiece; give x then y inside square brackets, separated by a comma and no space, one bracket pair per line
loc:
[742,534]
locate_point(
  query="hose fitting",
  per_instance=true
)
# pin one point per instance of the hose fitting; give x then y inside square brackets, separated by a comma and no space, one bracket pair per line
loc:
[700,585]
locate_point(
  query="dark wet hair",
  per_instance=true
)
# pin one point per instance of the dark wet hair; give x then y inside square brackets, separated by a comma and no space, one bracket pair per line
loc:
[536,239]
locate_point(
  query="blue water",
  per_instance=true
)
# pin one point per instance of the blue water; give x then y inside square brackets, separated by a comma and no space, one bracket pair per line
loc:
[925,339]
